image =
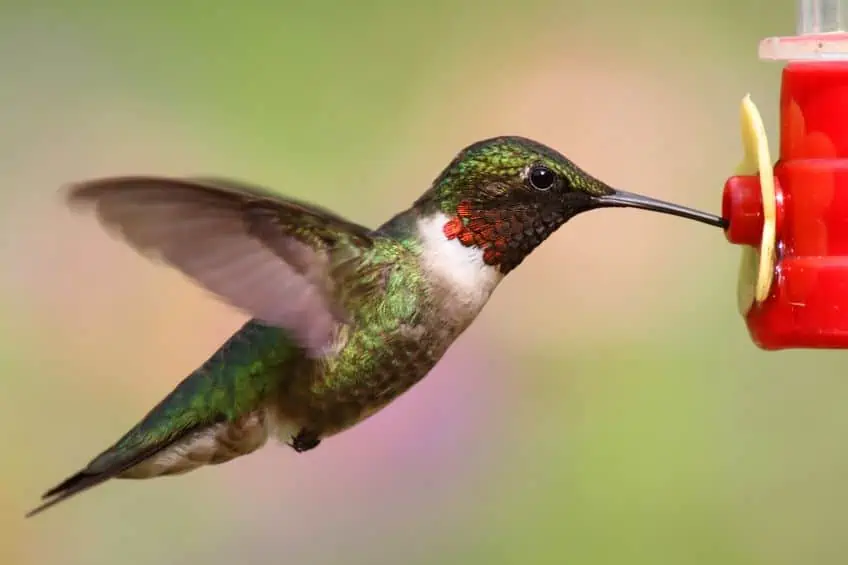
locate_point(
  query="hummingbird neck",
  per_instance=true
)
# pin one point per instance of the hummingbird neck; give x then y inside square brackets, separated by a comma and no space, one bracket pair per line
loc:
[460,270]
[505,236]
[502,237]
[459,273]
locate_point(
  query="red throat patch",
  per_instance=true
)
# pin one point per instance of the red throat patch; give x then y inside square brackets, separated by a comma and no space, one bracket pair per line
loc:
[488,230]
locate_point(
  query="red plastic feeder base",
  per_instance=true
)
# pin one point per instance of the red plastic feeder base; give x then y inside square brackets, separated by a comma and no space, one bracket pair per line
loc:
[807,305]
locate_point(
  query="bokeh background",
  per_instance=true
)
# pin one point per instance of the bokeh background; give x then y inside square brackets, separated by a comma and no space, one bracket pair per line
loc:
[607,407]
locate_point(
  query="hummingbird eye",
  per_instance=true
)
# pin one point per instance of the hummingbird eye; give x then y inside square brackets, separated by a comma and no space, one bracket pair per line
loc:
[541,177]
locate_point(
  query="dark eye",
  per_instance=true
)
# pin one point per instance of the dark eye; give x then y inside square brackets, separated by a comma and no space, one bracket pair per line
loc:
[541,178]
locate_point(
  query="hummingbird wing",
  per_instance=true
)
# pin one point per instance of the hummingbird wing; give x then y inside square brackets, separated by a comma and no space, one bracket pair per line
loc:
[285,262]
[296,268]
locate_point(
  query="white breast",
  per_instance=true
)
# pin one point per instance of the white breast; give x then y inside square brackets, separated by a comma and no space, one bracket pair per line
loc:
[456,266]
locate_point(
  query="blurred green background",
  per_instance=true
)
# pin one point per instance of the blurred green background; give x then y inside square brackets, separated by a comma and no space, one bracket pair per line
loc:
[607,407]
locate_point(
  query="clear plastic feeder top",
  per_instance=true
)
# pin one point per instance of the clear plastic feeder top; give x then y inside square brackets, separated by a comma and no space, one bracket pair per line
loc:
[822,34]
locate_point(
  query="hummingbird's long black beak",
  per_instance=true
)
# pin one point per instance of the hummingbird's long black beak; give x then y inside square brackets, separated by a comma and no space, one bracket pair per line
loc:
[622,199]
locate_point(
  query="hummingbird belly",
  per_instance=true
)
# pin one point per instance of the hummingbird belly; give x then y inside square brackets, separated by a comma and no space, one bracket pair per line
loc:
[369,371]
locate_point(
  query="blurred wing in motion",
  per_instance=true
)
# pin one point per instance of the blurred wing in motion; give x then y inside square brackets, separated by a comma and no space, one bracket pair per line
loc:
[282,261]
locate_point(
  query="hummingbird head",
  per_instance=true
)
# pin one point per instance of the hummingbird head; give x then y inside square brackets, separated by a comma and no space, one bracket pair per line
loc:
[505,195]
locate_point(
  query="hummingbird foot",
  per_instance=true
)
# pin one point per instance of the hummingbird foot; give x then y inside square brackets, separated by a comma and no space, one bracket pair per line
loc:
[304,441]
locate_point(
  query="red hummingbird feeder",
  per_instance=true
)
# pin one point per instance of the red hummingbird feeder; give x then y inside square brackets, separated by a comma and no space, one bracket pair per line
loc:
[792,218]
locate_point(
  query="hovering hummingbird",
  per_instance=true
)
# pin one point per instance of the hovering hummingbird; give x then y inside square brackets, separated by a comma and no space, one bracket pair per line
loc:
[345,318]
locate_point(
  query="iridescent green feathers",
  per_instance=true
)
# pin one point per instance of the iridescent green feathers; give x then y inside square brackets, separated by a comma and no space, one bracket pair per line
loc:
[494,170]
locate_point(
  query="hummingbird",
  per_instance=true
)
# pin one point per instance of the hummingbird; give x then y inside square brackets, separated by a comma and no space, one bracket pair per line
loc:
[343,319]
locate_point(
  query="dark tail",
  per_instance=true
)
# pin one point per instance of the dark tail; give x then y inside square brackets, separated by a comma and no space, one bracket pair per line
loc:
[71,486]
[89,477]
[212,416]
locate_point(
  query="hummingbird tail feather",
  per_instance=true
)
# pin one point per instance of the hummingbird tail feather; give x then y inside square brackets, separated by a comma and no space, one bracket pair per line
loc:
[203,445]
[71,486]
[82,481]
[221,411]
